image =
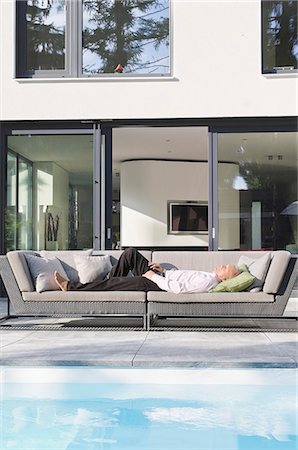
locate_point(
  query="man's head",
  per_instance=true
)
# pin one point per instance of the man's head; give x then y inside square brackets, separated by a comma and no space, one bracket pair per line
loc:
[226,271]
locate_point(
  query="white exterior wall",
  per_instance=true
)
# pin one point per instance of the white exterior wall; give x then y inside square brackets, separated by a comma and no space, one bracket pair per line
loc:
[216,60]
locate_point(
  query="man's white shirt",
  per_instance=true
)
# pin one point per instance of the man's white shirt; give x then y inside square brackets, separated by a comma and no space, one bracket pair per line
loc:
[182,281]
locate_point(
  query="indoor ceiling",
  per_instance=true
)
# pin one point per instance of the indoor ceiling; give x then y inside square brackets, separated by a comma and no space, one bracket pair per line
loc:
[74,152]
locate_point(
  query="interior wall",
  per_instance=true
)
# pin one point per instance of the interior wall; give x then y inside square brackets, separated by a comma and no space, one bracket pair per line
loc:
[228,208]
[146,186]
[57,194]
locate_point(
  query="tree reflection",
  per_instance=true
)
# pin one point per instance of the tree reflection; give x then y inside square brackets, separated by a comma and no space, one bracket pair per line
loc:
[280,40]
[126,33]
[45,37]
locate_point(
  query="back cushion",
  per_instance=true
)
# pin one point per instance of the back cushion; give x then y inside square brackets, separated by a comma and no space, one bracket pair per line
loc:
[207,261]
[258,267]
[276,271]
[20,269]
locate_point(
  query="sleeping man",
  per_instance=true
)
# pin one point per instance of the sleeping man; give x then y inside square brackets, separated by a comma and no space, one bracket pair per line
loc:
[151,277]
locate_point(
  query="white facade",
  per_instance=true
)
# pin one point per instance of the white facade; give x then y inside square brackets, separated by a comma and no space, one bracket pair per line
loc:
[216,72]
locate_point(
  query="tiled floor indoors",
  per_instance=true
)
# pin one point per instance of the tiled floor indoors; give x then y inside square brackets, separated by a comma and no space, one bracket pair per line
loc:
[249,343]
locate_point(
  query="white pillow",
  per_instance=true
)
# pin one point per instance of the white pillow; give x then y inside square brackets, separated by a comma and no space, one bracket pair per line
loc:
[91,268]
[258,267]
[42,272]
[66,257]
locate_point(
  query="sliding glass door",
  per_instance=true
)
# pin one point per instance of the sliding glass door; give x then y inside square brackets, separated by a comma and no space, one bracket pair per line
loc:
[49,202]
[257,191]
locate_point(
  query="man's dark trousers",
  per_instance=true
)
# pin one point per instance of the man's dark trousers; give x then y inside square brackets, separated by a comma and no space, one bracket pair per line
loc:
[130,260]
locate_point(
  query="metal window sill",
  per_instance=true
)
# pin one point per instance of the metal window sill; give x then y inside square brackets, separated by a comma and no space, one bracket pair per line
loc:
[95,79]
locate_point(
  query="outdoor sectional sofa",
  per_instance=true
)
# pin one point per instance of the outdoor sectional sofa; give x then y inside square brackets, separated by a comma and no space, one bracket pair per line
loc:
[270,300]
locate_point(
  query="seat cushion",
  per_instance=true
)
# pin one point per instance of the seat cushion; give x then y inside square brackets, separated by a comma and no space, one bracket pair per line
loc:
[85,296]
[222,297]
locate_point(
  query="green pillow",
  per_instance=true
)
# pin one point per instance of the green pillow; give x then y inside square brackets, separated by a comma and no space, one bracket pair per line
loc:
[235,284]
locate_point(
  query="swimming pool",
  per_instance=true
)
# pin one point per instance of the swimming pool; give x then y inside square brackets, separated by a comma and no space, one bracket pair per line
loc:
[79,408]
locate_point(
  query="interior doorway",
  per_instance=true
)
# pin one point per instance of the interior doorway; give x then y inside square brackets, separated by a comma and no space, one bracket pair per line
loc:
[154,167]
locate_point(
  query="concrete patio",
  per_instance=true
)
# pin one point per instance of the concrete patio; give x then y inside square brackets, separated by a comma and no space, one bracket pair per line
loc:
[245,343]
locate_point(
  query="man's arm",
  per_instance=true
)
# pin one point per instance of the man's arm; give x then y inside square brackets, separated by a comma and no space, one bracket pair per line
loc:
[164,284]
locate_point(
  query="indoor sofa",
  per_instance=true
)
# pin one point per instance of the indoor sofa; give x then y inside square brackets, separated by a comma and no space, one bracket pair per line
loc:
[275,273]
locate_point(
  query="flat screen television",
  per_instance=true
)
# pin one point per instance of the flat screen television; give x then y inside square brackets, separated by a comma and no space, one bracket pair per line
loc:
[187,217]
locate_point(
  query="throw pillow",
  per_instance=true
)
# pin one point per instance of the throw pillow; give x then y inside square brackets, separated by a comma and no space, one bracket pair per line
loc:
[235,284]
[66,257]
[42,272]
[91,268]
[258,267]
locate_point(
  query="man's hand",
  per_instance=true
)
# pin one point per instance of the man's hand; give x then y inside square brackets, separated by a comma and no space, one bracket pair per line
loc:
[155,267]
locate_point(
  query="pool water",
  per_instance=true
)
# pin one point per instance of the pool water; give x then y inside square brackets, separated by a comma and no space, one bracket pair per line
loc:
[148,409]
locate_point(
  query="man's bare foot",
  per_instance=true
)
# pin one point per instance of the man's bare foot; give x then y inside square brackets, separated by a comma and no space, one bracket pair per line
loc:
[62,283]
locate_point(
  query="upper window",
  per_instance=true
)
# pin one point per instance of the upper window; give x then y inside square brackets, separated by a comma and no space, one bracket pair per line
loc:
[279,36]
[92,38]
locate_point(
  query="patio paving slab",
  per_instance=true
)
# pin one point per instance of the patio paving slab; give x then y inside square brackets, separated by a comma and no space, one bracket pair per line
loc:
[216,348]
[87,348]
[148,349]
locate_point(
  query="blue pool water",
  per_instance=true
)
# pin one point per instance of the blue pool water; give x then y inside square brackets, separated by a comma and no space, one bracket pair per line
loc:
[148,409]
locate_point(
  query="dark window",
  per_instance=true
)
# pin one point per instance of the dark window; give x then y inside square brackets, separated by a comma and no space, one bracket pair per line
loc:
[279,35]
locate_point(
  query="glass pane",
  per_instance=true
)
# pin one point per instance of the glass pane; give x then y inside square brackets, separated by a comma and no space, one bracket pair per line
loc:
[280,39]
[257,191]
[46,20]
[24,205]
[57,175]
[129,36]
[155,171]
[11,203]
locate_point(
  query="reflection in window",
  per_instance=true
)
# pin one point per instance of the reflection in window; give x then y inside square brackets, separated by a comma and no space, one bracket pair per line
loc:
[92,37]
[50,192]
[24,204]
[280,39]
[126,36]
[46,20]
[11,203]
[257,191]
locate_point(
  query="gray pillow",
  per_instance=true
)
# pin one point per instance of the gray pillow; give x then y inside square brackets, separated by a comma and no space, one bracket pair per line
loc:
[42,272]
[66,257]
[91,268]
[258,267]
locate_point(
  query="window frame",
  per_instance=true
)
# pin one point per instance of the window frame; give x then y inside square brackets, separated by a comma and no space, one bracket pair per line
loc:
[73,47]
[278,70]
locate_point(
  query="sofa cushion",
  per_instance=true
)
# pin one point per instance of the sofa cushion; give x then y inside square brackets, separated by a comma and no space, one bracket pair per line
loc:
[276,271]
[91,268]
[222,297]
[258,267]
[66,258]
[85,296]
[20,269]
[235,284]
[42,272]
